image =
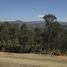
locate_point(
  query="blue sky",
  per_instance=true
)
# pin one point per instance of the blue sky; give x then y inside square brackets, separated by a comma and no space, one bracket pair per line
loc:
[31,10]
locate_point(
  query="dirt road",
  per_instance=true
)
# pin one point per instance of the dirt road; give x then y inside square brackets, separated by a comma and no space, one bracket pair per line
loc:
[30,60]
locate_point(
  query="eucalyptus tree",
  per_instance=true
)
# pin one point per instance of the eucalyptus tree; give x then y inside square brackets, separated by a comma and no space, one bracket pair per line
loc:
[49,18]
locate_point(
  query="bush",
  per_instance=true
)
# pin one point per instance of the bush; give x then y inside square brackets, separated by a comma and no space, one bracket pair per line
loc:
[56,52]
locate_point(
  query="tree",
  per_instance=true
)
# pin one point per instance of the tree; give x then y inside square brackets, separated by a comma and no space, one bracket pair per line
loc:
[49,18]
[54,33]
[20,38]
[23,37]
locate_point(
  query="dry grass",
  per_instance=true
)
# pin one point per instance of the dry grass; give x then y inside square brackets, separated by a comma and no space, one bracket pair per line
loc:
[31,60]
[17,65]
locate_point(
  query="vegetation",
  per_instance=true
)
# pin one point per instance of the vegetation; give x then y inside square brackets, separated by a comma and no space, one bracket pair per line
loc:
[21,39]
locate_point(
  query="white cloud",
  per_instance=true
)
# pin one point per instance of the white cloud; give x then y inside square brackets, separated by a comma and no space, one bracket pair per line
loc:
[40,16]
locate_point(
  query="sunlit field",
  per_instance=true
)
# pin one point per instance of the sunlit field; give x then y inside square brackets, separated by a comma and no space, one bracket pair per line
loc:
[31,60]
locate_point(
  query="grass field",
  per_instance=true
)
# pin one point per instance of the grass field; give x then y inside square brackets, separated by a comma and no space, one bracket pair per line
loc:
[31,60]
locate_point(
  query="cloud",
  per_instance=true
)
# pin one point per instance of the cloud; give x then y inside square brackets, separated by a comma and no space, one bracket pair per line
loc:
[40,16]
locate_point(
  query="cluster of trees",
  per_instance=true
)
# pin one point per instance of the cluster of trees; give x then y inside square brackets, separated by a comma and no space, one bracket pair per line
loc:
[22,39]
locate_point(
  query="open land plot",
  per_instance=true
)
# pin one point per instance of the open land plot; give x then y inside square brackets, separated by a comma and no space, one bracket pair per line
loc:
[31,60]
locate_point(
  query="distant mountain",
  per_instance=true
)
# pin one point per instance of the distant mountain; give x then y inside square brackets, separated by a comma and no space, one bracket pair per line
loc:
[64,24]
[34,23]
[29,23]
[37,23]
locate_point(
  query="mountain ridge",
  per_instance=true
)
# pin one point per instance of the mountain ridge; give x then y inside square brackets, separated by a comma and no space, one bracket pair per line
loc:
[33,23]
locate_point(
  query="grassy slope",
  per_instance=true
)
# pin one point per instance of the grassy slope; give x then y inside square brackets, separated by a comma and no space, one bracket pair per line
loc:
[31,60]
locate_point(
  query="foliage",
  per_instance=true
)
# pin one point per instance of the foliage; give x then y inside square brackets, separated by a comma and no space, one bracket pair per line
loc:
[21,39]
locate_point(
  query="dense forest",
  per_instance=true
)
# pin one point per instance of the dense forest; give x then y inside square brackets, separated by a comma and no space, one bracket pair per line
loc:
[22,39]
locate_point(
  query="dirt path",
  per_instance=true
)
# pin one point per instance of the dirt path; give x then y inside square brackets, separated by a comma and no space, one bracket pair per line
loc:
[30,61]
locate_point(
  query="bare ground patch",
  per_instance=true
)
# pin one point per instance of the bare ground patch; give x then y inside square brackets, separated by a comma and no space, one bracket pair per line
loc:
[31,60]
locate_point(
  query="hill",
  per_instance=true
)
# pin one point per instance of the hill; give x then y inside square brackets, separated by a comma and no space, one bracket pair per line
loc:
[34,24]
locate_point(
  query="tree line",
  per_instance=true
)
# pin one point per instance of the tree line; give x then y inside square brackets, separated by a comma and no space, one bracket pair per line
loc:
[22,39]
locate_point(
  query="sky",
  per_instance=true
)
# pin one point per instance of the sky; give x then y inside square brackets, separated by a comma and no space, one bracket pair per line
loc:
[32,10]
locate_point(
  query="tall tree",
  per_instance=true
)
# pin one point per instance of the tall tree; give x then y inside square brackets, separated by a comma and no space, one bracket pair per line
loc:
[49,18]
